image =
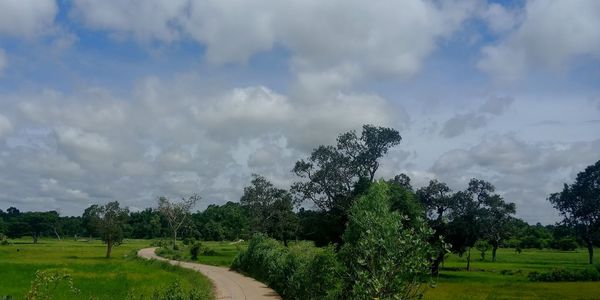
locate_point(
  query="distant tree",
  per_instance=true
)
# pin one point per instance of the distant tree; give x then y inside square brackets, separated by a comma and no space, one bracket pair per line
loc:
[269,209]
[482,246]
[110,220]
[497,221]
[222,222]
[403,180]
[383,258]
[145,224]
[579,204]
[176,213]
[88,220]
[37,223]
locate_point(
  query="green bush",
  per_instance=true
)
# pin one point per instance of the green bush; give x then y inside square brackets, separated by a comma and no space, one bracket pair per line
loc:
[301,271]
[195,250]
[564,244]
[383,257]
[591,273]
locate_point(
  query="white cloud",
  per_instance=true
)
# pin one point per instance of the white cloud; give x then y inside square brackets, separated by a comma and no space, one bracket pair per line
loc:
[552,34]
[387,37]
[27,18]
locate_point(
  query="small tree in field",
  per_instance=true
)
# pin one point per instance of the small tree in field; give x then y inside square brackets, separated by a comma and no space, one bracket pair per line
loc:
[482,246]
[579,204]
[110,220]
[383,258]
[176,213]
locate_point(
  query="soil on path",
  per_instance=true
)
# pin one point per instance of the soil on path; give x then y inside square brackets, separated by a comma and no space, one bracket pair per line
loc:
[228,284]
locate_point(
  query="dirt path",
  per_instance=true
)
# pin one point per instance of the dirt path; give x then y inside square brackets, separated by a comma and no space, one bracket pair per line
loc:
[228,284]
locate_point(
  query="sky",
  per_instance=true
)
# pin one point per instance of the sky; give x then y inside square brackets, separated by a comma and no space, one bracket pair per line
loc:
[130,100]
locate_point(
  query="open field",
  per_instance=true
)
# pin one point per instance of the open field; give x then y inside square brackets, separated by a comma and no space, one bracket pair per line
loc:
[95,276]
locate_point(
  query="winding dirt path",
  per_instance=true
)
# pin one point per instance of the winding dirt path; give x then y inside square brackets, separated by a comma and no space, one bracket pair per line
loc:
[228,284]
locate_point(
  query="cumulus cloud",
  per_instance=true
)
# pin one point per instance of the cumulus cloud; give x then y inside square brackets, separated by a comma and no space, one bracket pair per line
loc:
[551,34]
[168,137]
[525,173]
[27,18]
[387,37]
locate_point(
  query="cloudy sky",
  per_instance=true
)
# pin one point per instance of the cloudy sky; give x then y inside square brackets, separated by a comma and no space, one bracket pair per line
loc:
[131,99]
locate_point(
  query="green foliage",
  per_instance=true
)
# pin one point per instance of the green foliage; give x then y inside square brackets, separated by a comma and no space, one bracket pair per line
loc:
[195,250]
[174,291]
[382,257]
[482,246]
[564,244]
[298,272]
[562,274]
[46,282]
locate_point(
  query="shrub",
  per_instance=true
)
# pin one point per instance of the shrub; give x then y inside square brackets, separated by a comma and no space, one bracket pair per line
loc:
[383,258]
[298,272]
[564,244]
[195,250]
[173,291]
[209,252]
[561,274]
[46,281]
[482,246]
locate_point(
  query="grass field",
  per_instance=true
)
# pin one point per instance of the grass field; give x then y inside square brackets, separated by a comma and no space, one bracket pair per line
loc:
[99,278]
[95,276]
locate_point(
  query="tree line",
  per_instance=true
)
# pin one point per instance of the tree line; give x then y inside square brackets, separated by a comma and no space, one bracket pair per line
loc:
[329,181]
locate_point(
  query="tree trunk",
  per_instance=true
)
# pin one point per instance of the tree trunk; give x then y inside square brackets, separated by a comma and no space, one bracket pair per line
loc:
[174,238]
[56,233]
[590,246]
[35,238]
[469,259]
[435,264]
[494,248]
[109,246]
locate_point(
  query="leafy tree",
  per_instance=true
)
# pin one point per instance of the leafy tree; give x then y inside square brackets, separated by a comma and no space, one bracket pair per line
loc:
[89,220]
[332,172]
[222,222]
[579,204]
[110,220]
[437,201]
[269,209]
[37,223]
[383,258]
[176,213]
[145,224]
[497,221]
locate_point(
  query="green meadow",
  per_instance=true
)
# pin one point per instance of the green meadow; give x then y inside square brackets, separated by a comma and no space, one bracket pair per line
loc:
[96,277]
[124,274]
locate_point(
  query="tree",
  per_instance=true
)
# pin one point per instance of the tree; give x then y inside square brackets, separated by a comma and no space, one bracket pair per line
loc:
[333,176]
[383,258]
[38,223]
[497,221]
[89,220]
[437,201]
[332,172]
[176,213]
[269,209]
[110,220]
[482,246]
[579,204]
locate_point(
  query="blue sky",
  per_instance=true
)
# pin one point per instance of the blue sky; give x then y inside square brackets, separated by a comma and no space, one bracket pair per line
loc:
[129,100]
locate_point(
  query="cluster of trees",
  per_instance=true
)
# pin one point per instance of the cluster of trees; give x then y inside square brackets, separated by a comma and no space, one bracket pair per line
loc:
[330,181]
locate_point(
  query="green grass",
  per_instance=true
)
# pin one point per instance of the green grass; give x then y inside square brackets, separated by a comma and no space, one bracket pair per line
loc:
[95,276]
[486,279]
[224,253]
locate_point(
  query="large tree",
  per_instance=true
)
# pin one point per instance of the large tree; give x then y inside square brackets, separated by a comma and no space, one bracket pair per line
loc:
[579,204]
[110,220]
[269,209]
[497,221]
[176,213]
